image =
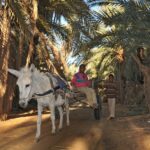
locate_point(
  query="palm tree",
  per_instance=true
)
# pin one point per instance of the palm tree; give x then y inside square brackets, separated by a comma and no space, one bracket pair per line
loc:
[33,19]
[74,15]
[121,25]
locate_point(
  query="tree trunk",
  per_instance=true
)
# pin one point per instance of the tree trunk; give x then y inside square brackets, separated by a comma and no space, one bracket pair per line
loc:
[4,56]
[57,59]
[63,60]
[56,65]
[20,50]
[146,72]
[45,54]
[121,67]
[33,19]
[121,82]
[30,52]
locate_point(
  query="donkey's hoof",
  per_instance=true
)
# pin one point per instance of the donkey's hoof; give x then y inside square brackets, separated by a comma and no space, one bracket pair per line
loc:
[53,133]
[37,140]
[59,129]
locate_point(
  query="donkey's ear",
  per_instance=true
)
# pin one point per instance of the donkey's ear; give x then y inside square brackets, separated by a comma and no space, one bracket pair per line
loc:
[14,72]
[32,67]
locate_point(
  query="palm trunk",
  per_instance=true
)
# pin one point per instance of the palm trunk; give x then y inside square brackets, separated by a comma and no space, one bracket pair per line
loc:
[121,82]
[121,68]
[30,52]
[20,50]
[57,59]
[63,60]
[146,72]
[56,65]
[4,56]
[34,19]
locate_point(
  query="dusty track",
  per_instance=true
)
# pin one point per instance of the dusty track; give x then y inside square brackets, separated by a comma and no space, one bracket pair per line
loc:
[84,133]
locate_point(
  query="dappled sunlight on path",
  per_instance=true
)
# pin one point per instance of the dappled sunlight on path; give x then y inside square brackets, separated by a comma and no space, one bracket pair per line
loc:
[84,133]
[88,141]
[18,133]
[142,131]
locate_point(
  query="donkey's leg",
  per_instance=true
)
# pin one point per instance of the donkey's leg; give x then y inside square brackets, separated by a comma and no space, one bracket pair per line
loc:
[67,111]
[61,117]
[52,108]
[39,121]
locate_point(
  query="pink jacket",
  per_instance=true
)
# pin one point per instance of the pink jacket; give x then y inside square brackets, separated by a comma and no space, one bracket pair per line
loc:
[80,80]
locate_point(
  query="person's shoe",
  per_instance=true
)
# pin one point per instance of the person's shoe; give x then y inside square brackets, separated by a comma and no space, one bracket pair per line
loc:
[111,118]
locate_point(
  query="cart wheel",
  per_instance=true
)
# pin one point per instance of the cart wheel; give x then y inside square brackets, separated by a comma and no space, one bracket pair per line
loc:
[97,111]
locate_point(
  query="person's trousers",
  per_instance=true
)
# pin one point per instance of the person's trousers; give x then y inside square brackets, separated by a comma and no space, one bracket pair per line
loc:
[90,95]
[111,106]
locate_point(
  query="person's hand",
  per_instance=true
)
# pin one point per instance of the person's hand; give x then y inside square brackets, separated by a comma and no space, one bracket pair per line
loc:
[72,87]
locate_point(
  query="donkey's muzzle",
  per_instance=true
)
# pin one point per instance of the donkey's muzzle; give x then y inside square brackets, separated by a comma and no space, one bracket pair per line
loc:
[23,104]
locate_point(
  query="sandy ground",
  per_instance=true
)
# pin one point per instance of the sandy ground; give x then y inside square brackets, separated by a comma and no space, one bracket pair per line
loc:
[84,133]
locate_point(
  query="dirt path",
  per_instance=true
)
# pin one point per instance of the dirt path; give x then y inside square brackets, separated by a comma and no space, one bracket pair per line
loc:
[84,133]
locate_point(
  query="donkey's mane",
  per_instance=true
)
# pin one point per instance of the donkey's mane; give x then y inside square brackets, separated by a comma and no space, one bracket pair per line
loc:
[38,76]
[24,70]
[35,71]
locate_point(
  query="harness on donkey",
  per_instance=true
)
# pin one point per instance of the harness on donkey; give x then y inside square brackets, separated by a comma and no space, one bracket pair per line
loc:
[56,90]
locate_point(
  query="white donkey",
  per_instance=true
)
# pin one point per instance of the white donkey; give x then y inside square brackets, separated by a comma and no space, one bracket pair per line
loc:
[31,81]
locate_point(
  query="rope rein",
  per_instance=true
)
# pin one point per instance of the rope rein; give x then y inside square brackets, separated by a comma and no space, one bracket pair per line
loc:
[35,97]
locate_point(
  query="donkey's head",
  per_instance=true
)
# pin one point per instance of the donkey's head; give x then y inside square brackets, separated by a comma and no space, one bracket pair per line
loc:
[24,83]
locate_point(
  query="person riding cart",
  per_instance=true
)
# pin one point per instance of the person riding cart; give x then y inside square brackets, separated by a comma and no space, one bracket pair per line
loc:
[81,83]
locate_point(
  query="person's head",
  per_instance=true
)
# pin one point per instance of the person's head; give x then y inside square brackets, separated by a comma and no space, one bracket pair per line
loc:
[111,77]
[82,68]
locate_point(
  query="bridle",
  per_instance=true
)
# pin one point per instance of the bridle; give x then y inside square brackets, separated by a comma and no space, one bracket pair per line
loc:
[44,94]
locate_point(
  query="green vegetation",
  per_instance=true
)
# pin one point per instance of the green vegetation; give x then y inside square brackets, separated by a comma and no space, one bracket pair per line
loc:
[101,34]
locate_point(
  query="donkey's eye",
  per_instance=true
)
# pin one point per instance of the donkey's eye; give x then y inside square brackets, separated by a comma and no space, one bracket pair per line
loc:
[27,85]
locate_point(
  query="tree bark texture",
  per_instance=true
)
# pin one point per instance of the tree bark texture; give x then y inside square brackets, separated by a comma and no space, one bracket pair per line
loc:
[4,56]
[33,20]
[146,72]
